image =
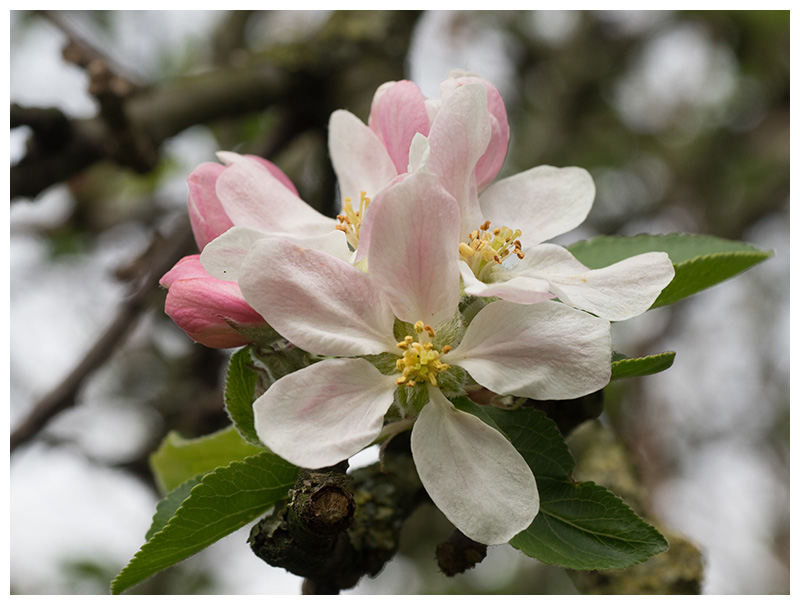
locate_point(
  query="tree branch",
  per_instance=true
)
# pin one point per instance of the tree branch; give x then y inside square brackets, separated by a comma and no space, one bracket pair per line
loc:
[163,256]
[131,127]
[318,535]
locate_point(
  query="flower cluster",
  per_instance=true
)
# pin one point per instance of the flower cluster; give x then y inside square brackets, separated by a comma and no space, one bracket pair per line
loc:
[432,282]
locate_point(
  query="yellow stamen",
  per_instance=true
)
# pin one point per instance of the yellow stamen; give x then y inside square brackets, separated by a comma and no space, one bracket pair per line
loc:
[350,219]
[420,361]
[487,248]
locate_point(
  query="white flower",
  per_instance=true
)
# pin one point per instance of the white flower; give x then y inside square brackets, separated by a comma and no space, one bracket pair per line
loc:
[510,220]
[329,411]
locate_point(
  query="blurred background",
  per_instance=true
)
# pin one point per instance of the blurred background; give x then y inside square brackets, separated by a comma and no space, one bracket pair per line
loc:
[682,118]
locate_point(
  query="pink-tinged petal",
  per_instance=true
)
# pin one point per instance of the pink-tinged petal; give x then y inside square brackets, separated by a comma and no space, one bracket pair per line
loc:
[617,292]
[521,290]
[223,257]
[204,307]
[416,225]
[458,138]
[472,473]
[397,114]
[543,351]
[359,159]
[206,214]
[253,197]
[543,202]
[316,301]
[492,159]
[325,413]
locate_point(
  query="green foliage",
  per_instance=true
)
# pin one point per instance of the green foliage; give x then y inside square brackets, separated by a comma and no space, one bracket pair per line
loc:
[585,526]
[178,460]
[223,501]
[240,385]
[642,366]
[579,525]
[700,261]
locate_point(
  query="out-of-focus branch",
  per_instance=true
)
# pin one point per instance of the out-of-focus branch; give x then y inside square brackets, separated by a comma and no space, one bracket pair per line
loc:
[134,122]
[162,256]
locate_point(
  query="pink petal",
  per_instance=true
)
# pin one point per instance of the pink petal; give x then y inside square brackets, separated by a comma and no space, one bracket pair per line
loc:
[617,292]
[416,226]
[543,202]
[206,214]
[325,413]
[359,158]
[253,197]
[472,473]
[543,351]
[458,138]
[492,159]
[316,301]
[397,114]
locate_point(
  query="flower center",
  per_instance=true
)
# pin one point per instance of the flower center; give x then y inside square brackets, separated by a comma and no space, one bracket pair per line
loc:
[350,220]
[420,361]
[486,248]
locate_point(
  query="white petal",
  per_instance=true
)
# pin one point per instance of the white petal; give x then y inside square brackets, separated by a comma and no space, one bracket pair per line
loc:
[472,473]
[543,202]
[413,235]
[543,351]
[316,301]
[617,292]
[518,289]
[325,413]
[359,158]
[253,197]
[223,255]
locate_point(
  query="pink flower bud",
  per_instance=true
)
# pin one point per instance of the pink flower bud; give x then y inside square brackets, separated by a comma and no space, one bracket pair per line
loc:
[207,308]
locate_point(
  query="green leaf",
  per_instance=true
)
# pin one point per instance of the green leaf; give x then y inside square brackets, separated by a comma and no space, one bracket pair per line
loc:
[642,366]
[224,500]
[700,261]
[168,505]
[537,438]
[240,386]
[177,459]
[585,526]
[579,525]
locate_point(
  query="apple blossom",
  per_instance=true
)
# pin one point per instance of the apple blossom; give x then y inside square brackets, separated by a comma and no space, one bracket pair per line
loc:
[514,216]
[403,314]
[366,159]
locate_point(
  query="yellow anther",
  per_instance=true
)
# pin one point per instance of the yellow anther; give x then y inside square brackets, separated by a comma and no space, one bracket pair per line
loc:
[420,361]
[446,349]
[350,219]
[486,248]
